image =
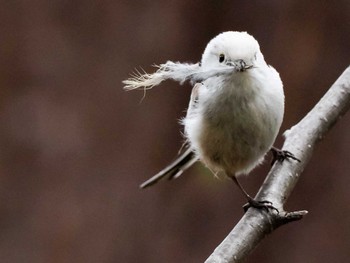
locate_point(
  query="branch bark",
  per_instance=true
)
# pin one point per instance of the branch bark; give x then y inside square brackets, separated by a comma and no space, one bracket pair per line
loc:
[282,178]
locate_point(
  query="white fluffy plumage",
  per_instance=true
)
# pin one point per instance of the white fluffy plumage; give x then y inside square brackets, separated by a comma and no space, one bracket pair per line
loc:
[237,117]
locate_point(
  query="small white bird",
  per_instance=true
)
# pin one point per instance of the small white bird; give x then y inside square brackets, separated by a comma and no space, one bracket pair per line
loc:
[235,111]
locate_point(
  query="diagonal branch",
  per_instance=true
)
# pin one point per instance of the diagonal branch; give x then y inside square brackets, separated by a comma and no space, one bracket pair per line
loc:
[282,178]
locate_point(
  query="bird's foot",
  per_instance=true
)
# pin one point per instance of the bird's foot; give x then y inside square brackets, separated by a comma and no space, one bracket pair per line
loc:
[266,205]
[281,155]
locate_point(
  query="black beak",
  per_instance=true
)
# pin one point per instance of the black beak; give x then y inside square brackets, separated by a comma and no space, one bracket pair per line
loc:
[239,64]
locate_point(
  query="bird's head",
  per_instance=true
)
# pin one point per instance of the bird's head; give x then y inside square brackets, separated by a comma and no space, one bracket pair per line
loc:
[238,49]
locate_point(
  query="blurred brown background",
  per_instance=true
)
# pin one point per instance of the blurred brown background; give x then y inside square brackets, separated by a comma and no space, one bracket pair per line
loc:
[75,146]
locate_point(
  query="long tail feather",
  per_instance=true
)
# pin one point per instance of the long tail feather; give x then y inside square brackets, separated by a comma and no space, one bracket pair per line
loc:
[173,170]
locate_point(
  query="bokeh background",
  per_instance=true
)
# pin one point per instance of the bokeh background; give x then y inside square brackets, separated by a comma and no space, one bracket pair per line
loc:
[74,146]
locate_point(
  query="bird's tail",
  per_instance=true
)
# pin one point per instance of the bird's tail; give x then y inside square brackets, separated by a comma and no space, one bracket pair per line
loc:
[175,169]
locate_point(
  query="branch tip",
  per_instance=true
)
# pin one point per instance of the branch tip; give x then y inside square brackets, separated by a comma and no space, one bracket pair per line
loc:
[288,217]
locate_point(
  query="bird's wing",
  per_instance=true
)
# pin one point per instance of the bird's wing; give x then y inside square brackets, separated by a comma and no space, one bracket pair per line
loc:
[193,105]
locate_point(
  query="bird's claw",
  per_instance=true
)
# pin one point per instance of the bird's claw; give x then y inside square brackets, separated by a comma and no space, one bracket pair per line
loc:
[281,155]
[266,205]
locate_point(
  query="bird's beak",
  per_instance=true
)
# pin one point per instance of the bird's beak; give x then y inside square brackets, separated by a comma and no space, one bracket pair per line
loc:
[239,64]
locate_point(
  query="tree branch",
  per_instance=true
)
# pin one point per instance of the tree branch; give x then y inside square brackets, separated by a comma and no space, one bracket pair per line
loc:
[282,178]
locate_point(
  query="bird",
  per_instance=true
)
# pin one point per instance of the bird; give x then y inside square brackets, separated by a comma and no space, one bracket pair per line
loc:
[235,111]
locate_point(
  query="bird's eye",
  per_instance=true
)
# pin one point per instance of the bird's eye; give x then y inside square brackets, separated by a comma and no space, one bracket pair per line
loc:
[221,58]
